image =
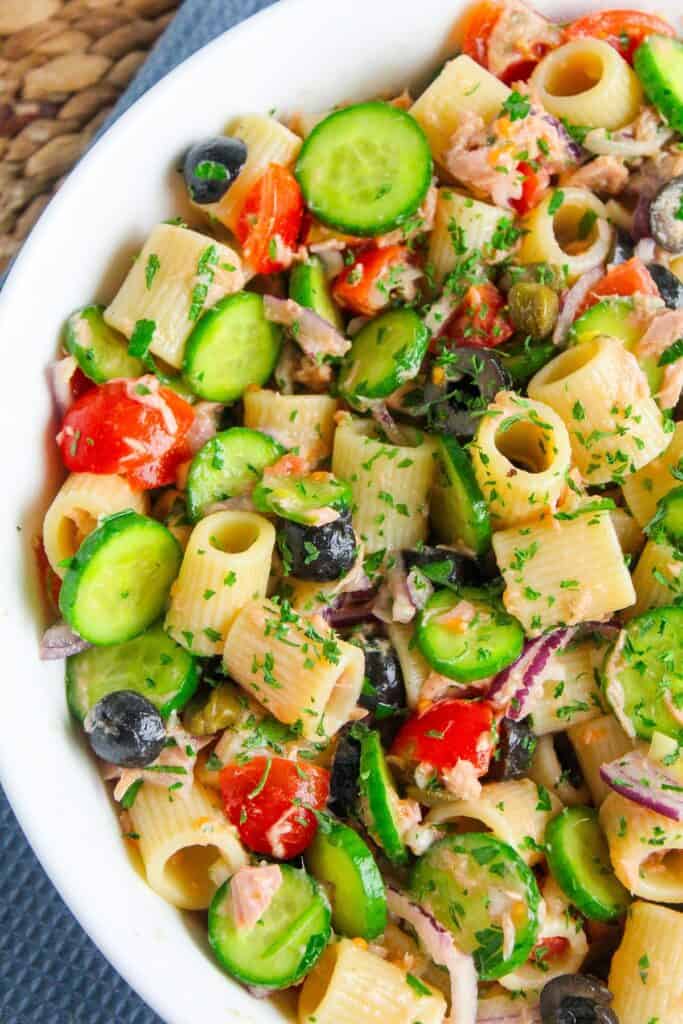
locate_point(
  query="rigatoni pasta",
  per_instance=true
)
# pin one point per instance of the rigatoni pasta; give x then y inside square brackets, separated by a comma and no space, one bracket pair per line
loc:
[462,226]
[596,742]
[553,233]
[656,577]
[642,490]
[646,976]
[646,849]
[304,423]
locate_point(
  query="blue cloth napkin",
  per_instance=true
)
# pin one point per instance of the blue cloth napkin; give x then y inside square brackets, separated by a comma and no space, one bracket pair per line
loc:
[45,956]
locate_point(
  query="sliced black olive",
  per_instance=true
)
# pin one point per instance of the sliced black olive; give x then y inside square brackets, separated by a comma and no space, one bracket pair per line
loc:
[623,248]
[666,223]
[440,565]
[569,762]
[321,553]
[125,729]
[210,167]
[472,378]
[516,746]
[384,691]
[670,286]
[576,999]
[344,774]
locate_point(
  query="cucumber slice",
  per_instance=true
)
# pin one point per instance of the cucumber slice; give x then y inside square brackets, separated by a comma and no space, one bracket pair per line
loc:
[658,62]
[643,675]
[153,665]
[100,351]
[299,498]
[379,799]
[667,523]
[458,509]
[339,858]
[365,169]
[522,359]
[618,318]
[227,465]
[578,857]
[232,346]
[119,579]
[384,354]
[488,643]
[284,944]
[308,285]
[456,879]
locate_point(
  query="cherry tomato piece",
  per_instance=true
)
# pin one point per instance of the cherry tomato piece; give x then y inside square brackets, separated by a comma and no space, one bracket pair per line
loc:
[629,278]
[271,801]
[481,320]
[624,30]
[449,731]
[270,220]
[534,185]
[364,287]
[131,427]
[477,30]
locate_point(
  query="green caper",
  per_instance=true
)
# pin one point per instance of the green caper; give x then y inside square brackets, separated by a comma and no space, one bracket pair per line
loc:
[533,308]
[214,711]
[538,273]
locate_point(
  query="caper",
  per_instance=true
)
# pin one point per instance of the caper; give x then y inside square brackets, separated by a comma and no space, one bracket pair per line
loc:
[533,308]
[214,711]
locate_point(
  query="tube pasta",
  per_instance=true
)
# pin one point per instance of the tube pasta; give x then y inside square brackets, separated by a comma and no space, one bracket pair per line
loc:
[390,484]
[596,742]
[183,841]
[168,301]
[414,666]
[587,82]
[462,86]
[627,529]
[547,771]
[295,667]
[563,572]
[226,563]
[461,226]
[508,809]
[646,849]
[646,976]
[657,578]
[302,422]
[601,393]
[556,237]
[642,490]
[521,456]
[351,984]
[569,692]
[78,506]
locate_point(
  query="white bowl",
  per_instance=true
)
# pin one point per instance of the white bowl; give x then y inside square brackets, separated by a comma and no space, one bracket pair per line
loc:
[297,55]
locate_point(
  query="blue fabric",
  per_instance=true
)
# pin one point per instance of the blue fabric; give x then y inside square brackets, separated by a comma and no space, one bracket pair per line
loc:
[50,971]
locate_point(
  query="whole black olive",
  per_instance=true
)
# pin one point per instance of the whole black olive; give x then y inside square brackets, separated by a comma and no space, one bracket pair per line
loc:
[569,762]
[344,774]
[472,378]
[125,729]
[384,691]
[440,565]
[321,553]
[210,167]
[516,745]
[576,999]
[670,286]
[666,226]
[623,247]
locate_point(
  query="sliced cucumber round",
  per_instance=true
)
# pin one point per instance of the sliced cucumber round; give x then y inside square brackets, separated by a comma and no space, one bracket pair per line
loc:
[578,857]
[618,317]
[299,498]
[365,169]
[308,285]
[643,675]
[466,651]
[667,523]
[339,858]
[384,354]
[458,510]
[457,879]
[379,799]
[284,944]
[228,465]
[119,579]
[658,62]
[100,351]
[232,346]
[152,664]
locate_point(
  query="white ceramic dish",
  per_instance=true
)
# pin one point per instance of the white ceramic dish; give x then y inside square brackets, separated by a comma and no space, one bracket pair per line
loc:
[299,54]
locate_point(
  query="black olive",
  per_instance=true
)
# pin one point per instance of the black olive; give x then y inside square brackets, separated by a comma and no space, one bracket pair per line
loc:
[623,248]
[384,691]
[473,377]
[569,762]
[516,746]
[125,729]
[670,286]
[210,167]
[440,565]
[576,999]
[666,226]
[344,774]
[321,553]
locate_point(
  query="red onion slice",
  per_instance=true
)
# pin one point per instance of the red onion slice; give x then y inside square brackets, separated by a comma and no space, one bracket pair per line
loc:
[639,779]
[59,376]
[60,641]
[315,335]
[515,684]
[573,300]
[351,609]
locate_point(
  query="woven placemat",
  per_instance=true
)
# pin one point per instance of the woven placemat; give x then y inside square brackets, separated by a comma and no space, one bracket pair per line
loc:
[63,65]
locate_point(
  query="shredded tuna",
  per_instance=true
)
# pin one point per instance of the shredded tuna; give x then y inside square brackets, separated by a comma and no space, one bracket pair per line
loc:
[422,221]
[315,335]
[672,385]
[252,891]
[60,374]
[666,328]
[419,838]
[458,617]
[204,425]
[656,172]
[517,35]
[178,759]
[604,174]
[461,780]
[614,690]
[436,686]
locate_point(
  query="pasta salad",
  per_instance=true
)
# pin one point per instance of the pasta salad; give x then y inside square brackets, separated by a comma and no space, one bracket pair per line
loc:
[368,557]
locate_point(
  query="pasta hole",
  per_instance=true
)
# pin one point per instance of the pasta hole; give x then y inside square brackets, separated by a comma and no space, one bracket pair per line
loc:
[527,446]
[462,825]
[664,867]
[575,228]
[571,361]
[188,872]
[235,537]
[73,530]
[577,73]
[317,983]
